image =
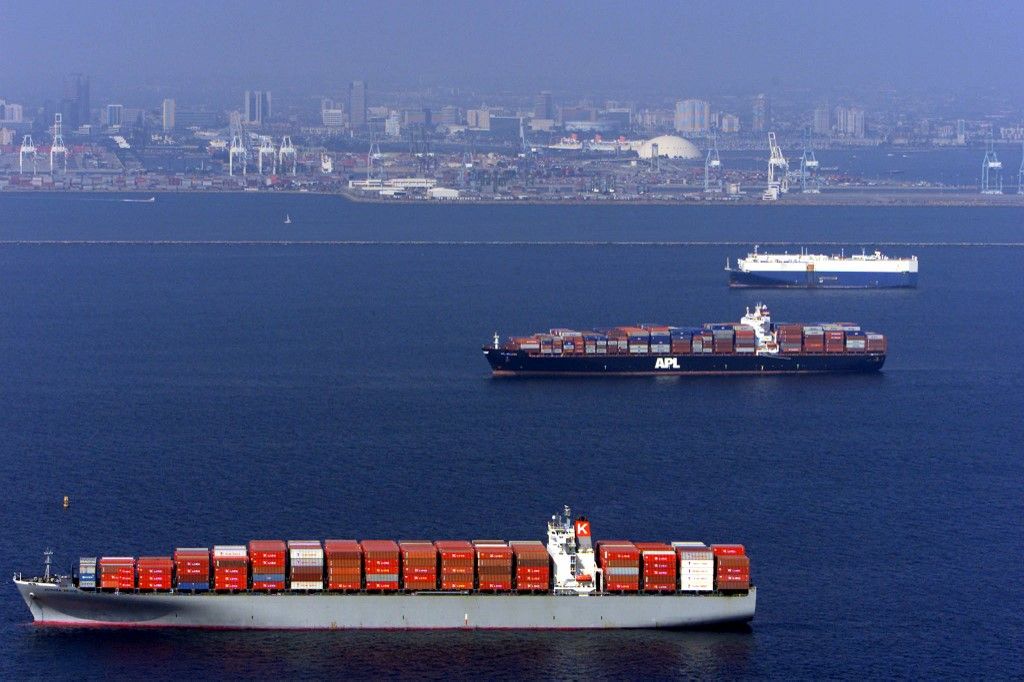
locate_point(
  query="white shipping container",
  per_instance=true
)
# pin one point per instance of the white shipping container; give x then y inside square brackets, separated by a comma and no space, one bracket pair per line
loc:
[690,543]
[230,552]
[697,584]
[306,562]
[307,585]
[306,554]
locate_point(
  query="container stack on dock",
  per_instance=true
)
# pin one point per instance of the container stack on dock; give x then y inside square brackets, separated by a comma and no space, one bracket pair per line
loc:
[620,562]
[381,559]
[344,559]
[419,565]
[533,565]
[230,568]
[268,565]
[117,573]
[659,566]
[192,568]
[155,573]
[306,559]
[457,567]
[493,565]
[732,567]
[87,573]
[696,567]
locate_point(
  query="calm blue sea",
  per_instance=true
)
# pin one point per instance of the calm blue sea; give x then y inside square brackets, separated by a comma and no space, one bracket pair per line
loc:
[192,394]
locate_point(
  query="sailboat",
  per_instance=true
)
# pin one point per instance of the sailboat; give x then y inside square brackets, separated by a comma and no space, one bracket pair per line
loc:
[287,219]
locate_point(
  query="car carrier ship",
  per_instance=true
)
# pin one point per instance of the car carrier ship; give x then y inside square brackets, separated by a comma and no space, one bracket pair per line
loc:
[819,271]
[754,345]
[571,583]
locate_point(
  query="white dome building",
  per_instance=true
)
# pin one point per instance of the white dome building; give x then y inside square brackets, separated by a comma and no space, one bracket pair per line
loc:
[669,146]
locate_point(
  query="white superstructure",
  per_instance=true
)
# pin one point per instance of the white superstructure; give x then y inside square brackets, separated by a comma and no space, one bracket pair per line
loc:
[819,262]
[572,554]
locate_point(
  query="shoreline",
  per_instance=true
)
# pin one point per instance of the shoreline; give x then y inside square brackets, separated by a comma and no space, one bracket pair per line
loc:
[853,197]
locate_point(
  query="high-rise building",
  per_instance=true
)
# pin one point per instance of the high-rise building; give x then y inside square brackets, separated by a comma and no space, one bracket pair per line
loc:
[357,103]
[693,116]
[479,119]
[75,105]
[850,121]
[333,118]
[820,122]
[961,131]
[257,106]
[543,106]
[11,112]
[730,123]
[762,118]
[115,114]
[168,115]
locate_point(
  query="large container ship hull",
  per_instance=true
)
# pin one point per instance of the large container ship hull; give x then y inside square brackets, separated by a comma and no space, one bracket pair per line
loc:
[68,606]
[811,279]
[521,363]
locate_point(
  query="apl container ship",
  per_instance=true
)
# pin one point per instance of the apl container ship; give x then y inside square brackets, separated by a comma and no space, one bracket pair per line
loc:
[754,345]
[571,583]
[819,271]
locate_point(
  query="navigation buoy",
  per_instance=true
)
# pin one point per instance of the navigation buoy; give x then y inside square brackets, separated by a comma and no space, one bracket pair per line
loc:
[67,501]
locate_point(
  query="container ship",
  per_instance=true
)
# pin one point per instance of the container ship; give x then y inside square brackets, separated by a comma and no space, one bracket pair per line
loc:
[754,345]
[819,271]
[570,583]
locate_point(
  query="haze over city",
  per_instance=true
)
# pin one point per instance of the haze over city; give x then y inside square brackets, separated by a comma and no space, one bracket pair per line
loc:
[197,50]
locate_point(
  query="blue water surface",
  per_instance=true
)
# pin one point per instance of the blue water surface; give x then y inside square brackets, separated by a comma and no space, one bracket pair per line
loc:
[192,394]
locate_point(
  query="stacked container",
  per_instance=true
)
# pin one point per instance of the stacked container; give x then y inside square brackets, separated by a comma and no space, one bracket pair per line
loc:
[419,565]
[87,573]
[814,340]
[789,337]
[856,342]
[306,560]
[732,567]
[661,341]
[835,338]
[155,572]
[344,559]
[619,560]
[707,341]
[722,340]
[493,566]
[745,339]
[875,343]
[267,558]
[192,568]
[533,566]
[681,341]
[117,573]
[696,567]
[639,340]
[457,567]
[658,563]
[230,568]
[381,559]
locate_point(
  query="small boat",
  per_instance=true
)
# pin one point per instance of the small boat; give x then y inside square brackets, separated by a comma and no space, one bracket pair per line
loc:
[287,219]
[140,201]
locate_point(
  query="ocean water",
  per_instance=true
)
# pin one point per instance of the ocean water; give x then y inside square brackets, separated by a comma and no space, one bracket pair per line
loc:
[188,394]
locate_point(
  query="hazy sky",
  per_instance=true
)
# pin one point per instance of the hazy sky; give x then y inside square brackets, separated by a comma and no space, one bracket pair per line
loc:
[184,47]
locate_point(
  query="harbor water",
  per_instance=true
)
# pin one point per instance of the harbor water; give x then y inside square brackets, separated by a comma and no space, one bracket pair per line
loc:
[193,371]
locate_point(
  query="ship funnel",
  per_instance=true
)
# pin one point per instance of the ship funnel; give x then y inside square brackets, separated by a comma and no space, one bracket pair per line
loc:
[582,529]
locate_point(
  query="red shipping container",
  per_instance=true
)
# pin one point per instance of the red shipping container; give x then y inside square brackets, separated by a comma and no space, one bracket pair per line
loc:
[419,565]
[154,573]
[493,565]
[457,564]
[727,550]
[381,561]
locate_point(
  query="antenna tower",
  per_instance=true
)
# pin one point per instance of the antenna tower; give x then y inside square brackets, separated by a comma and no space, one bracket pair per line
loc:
[58,143]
